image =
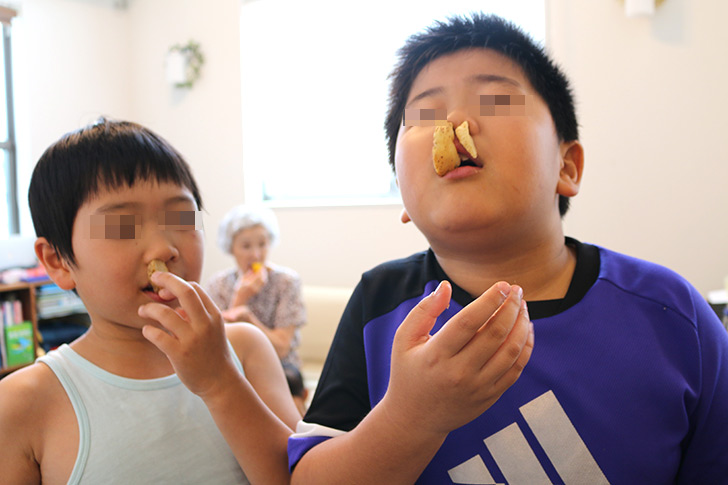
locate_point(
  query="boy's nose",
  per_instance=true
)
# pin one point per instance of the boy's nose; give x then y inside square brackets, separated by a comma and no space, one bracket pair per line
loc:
[160,246]
[456,117]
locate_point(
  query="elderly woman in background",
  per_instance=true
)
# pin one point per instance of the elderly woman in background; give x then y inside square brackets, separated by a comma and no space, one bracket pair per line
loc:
[256,290]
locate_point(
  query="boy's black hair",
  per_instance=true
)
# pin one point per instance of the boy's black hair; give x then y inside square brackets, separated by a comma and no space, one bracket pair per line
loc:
[481,31]
[106,154]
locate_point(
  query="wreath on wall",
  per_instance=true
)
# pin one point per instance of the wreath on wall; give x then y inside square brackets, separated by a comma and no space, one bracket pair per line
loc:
[194,59]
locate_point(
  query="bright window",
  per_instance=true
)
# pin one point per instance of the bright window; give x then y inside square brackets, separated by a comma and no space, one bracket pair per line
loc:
[9,223]
[314,92]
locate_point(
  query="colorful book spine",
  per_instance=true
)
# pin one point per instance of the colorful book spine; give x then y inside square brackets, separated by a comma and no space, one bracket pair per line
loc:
[3,348]
[16,335]
[17,312]
[8,318]
[19,344]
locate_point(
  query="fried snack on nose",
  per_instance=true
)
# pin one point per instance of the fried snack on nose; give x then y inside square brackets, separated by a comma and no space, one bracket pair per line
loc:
[463,134]
[154,266]
[444,154]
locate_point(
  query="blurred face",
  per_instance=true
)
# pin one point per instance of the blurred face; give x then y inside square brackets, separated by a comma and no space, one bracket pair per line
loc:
[116,235]
[250,246]
[512,183]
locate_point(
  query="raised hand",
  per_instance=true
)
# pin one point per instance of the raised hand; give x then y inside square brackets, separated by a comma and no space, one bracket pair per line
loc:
[248,285]
[192,336]
[439,383]
[240,313]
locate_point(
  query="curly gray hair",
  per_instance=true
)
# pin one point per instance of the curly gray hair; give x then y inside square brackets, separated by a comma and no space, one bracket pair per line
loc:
[244,217]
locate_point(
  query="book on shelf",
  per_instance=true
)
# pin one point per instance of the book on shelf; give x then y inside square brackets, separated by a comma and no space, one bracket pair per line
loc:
[12,310]
[52,302]
[3,349]
[19,344]
[18,317]
[16,337]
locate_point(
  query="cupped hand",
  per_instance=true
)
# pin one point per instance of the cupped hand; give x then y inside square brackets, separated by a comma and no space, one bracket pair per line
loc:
[239,313]
[192,336]
[441,382]
[248,285]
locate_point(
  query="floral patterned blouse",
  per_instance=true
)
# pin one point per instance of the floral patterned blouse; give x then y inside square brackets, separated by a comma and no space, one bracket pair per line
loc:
[278,304]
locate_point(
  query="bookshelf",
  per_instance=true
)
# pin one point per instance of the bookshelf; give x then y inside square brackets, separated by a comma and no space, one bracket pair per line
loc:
[55,307]
[25,293]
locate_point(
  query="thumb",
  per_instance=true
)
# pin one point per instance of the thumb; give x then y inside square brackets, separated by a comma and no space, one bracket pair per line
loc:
[417,325]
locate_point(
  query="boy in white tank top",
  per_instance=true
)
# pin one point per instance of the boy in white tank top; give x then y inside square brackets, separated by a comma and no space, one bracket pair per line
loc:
[112,407]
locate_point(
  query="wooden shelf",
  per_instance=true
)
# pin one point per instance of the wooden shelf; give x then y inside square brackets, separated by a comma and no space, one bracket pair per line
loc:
[26,294]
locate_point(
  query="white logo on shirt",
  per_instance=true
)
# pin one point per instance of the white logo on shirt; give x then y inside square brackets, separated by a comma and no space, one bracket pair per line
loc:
[518,463]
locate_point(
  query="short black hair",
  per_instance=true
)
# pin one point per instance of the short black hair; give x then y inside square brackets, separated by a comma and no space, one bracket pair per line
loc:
[105,154]
[488,32]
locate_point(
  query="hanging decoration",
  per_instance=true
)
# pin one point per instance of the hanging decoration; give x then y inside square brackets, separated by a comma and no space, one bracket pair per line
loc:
[183,64]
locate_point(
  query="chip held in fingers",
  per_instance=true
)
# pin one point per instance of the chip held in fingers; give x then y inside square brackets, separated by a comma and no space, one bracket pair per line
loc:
[445,155]
[154,266]
[257,266]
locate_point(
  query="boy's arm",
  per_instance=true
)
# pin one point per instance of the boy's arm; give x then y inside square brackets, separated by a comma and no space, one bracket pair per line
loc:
[438,383]
[193,338]
[280,337]
[263,370]
[17,460]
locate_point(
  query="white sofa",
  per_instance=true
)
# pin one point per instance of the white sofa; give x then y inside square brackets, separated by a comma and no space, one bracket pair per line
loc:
[324,306]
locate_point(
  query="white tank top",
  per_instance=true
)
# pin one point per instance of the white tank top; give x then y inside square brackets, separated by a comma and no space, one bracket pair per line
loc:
[141,431]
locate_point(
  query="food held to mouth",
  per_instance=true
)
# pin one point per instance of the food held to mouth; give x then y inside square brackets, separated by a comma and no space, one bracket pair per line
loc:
[444,154]
[256,266]
[452,148]
[154,266]
[463,134]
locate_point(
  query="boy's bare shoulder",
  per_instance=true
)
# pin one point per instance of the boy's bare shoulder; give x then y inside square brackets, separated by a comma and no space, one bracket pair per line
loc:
[244,337]
[30,399]
[28,393]
[27,384]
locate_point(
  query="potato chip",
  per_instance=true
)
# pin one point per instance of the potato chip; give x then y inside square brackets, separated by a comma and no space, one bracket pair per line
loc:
[444,154]
[463,134]
[154,266]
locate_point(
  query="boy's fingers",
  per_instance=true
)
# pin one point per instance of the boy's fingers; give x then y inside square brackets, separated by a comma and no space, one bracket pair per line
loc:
[162,340]
[497,335]
[165,316]
[527,350]
[461,328]
[206,300]
[514,372]
[422,317]
[188,298]
[511,357]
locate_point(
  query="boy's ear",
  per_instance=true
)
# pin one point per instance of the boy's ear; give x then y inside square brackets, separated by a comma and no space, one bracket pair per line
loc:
[572,166]
[404,217]
[58,269]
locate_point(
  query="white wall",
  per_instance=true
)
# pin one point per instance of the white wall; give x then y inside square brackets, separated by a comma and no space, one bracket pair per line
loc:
[651,99]
[652,103]
[71,63]
[203,123]
[78,59]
